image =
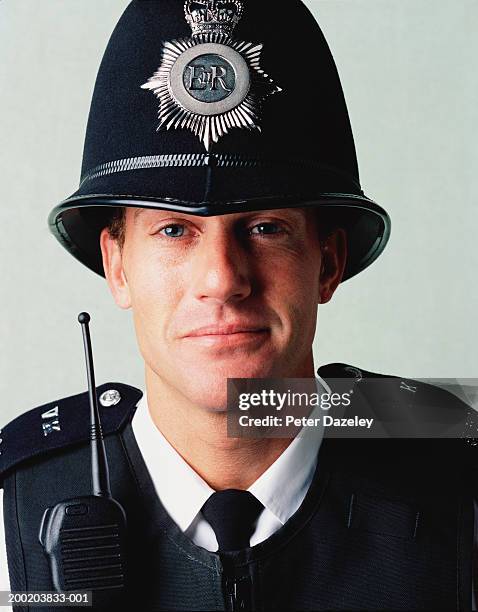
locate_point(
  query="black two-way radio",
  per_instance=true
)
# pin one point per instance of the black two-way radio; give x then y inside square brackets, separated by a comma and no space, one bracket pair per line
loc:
[85,537]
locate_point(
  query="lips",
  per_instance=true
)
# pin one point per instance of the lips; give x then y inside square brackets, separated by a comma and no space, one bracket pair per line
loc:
[226,329]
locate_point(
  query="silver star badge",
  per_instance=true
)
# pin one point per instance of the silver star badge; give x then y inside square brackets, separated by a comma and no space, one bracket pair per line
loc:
[210,83]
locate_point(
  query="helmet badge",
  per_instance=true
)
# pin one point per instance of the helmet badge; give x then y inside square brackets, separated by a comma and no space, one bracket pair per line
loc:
[211,83]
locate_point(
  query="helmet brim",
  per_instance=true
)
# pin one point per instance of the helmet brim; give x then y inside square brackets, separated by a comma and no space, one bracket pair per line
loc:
[77,222]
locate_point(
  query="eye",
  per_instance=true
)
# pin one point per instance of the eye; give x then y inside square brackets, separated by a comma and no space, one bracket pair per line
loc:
[266,228]
[174,230]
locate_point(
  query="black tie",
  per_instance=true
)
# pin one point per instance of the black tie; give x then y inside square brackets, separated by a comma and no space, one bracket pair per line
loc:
[232,514]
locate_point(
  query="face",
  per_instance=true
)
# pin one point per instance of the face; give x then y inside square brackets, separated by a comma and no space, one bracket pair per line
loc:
[231,296]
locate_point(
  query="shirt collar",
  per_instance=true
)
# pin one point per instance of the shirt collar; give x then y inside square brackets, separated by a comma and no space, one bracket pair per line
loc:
[181,490]
[281,488]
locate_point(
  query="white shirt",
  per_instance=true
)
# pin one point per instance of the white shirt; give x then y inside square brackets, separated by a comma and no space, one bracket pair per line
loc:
[294,468]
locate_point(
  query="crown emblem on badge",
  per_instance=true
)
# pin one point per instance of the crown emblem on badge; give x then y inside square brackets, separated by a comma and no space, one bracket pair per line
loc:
[216,16]
[210,83]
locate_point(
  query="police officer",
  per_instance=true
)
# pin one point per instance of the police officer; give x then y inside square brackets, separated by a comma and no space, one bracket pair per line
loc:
[220,198]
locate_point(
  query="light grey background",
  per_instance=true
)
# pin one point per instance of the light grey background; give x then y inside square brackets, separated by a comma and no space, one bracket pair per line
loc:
[409,72]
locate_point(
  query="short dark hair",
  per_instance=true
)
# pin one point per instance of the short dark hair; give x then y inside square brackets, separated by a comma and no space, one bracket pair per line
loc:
[117,225]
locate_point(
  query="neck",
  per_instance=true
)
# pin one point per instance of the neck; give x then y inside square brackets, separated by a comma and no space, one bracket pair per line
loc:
[200,437]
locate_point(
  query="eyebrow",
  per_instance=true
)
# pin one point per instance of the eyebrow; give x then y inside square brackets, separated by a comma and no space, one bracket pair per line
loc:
[139,211]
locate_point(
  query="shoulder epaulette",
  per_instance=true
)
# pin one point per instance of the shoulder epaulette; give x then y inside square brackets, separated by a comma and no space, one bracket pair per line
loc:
[421,393]
[417,402]
[64,423]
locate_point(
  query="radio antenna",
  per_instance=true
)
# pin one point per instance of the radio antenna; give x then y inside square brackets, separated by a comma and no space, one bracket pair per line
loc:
[99,464]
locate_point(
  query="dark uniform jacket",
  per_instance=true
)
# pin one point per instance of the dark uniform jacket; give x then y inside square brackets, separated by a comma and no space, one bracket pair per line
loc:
[386,523]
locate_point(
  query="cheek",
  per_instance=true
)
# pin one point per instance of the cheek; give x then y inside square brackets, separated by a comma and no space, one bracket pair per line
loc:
[294,281]
[155,291]
[302,312]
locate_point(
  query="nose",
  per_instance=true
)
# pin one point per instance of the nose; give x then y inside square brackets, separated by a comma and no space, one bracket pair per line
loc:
[221,268]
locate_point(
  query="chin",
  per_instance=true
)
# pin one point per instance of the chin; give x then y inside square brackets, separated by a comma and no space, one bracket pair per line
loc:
[207,388]
[216,374]
[208,394]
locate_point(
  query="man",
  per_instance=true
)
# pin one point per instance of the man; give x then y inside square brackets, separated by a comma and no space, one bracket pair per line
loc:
[222,225]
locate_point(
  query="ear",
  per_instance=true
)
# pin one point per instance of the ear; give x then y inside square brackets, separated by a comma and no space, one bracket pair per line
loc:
[114,271]
[334,257]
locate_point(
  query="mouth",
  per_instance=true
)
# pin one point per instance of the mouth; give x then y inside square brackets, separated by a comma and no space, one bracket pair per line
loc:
[225,330]
[230,339]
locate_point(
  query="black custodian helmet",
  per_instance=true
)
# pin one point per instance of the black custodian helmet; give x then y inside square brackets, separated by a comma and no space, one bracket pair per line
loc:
[210,107]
